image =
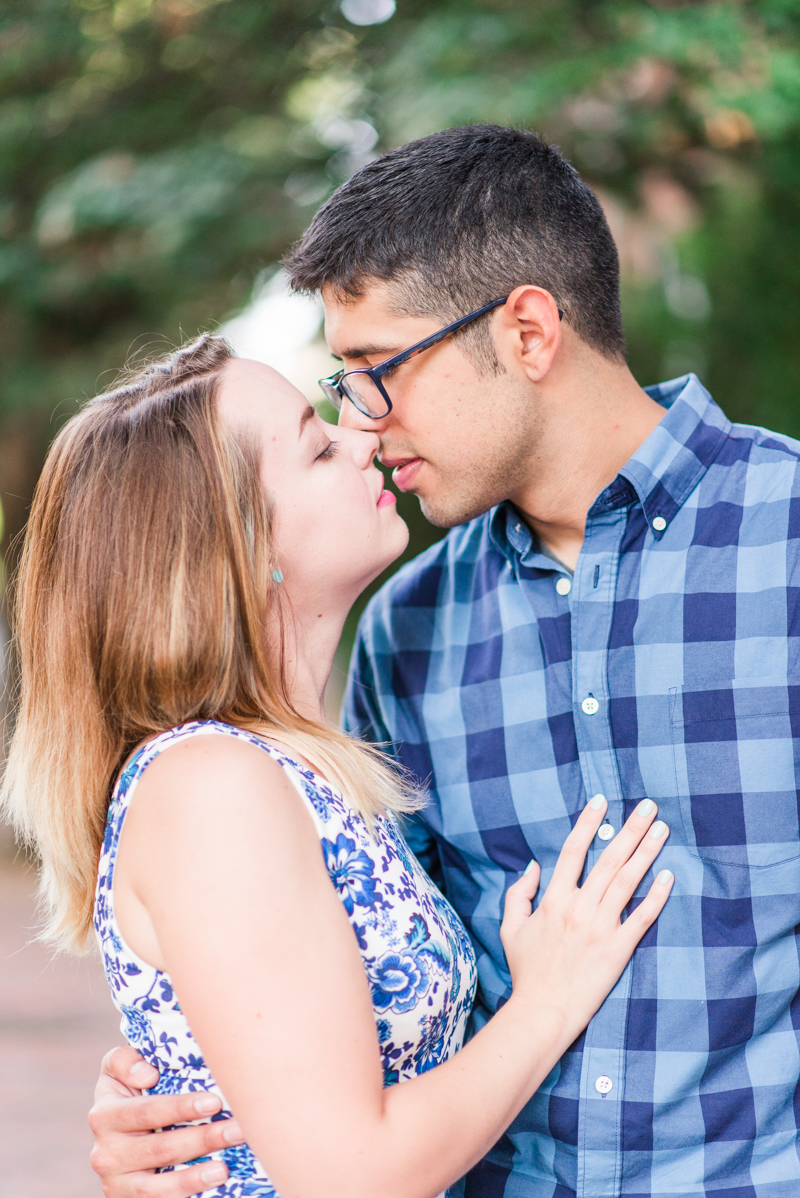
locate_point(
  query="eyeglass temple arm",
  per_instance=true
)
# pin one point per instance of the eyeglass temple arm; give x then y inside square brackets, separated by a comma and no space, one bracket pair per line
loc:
[428,342]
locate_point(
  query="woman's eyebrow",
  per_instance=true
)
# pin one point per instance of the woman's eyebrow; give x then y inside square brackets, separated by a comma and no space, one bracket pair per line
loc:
[308,414]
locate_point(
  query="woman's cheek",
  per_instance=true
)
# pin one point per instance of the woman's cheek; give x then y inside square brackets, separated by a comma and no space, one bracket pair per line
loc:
[355,497]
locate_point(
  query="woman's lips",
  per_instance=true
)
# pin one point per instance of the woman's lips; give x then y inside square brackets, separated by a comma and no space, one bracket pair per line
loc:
[386,498]
[404,473]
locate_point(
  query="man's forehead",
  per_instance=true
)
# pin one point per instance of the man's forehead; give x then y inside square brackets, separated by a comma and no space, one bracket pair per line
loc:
[364,325]
[343,314]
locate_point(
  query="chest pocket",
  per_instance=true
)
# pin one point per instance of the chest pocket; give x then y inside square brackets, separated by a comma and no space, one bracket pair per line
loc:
[737,768]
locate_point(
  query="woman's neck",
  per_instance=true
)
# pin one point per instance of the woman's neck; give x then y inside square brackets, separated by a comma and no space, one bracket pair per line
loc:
[310,642]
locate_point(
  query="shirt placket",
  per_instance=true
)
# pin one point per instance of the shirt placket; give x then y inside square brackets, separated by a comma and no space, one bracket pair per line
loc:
[602,1072]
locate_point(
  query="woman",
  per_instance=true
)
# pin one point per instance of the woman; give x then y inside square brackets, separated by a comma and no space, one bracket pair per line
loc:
[196,541]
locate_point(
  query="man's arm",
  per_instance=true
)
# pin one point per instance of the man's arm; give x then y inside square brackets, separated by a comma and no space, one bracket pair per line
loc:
[125,1153]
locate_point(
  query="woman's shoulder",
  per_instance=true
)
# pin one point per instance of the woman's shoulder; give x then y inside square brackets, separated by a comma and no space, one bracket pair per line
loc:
[203,791]
[197,738]
[209,759]
[200,752]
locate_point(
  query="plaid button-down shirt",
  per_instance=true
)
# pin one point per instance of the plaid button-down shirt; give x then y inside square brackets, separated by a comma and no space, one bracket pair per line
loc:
[682,622]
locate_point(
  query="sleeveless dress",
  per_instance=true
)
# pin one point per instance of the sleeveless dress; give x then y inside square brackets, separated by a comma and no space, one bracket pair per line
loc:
[417,956]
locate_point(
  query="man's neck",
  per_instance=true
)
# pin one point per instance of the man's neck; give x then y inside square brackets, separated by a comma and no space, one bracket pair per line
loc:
[597,419]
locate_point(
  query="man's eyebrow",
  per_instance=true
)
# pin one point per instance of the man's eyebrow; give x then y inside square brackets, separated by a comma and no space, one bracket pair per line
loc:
[367,351]
[308,414]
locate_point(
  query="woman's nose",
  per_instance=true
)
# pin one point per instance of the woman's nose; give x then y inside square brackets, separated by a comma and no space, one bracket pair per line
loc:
[365,447]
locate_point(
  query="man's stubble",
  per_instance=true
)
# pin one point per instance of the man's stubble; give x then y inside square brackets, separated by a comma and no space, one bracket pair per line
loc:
[504,466]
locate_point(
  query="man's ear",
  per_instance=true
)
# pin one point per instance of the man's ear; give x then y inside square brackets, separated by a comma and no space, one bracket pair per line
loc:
[528,327]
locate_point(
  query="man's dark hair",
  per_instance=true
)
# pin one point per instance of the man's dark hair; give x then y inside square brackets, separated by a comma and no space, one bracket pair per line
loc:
[463,217]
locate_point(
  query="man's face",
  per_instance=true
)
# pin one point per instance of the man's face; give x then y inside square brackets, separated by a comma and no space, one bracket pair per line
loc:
[460,440]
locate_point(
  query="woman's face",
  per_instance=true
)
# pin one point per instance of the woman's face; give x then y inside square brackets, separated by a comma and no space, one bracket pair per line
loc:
[336,528]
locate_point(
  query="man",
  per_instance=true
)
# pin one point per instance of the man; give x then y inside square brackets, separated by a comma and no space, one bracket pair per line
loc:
[614,611]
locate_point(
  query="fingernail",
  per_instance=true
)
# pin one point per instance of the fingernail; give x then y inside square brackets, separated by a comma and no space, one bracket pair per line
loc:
[658,829]
[529,866]
[140,1068]
[207,1104]
[232,1132]
[645,807]
[597,802]
[665,877]
[214,1173]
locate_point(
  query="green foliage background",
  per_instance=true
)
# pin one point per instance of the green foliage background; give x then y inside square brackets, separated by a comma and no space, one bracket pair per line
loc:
[156,155]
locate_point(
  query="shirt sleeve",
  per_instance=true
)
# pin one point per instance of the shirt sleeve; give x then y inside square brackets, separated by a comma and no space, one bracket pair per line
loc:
[363,716]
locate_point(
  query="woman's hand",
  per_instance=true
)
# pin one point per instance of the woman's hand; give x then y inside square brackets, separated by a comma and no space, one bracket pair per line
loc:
[570,952]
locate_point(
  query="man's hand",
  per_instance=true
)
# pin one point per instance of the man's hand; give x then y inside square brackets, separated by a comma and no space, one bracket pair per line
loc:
[125,1154]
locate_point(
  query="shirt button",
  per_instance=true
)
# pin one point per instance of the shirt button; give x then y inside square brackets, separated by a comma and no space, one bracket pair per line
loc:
[563,586]
[590,705]
[659,524]
[605,831]
[603,1085]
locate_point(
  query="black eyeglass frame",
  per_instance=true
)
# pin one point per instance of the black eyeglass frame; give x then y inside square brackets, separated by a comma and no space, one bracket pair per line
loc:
[333,386]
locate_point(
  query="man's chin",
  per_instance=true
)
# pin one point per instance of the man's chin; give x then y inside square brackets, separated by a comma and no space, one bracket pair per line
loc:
[449,515]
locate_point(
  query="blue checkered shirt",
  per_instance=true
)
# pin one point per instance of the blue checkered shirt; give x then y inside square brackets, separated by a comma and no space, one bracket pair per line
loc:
[682,624]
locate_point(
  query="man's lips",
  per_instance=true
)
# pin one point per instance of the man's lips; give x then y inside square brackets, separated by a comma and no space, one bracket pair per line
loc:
[404,471]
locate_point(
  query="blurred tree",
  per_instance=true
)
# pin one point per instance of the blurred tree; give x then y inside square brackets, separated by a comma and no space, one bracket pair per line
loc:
[143,153]
[155,155]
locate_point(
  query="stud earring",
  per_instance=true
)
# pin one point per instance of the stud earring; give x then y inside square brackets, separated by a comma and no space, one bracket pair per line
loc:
[277,576]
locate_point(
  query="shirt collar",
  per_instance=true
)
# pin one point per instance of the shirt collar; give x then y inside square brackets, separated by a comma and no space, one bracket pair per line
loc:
[667,467]
[661,474]
[509,533]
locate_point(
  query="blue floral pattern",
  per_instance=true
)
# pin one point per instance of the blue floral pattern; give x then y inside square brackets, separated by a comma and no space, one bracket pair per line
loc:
[417,956]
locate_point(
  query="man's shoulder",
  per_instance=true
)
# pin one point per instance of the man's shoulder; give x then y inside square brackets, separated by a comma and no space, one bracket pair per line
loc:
[770,462]
[726,457]
[762,445]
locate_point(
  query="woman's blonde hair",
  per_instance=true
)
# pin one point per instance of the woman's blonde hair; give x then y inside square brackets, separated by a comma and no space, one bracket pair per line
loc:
[142,600]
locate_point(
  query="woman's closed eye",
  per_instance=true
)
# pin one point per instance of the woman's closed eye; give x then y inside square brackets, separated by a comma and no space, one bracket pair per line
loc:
[330,450]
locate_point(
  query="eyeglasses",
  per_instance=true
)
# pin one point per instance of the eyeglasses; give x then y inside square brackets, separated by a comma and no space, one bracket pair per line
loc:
[365,388]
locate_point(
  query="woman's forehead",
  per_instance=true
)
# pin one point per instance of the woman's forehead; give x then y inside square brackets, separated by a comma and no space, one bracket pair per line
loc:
[254,396]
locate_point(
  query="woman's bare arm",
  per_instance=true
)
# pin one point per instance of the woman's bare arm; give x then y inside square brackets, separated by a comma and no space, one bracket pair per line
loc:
[220,881]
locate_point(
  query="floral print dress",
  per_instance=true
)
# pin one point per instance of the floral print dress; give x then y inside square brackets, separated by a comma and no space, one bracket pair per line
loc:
[418,959]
